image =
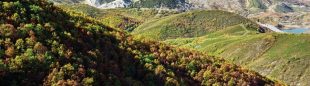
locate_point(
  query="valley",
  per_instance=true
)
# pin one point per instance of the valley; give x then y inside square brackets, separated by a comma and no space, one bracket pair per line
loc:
[155,42]
[290,14]
[238,42]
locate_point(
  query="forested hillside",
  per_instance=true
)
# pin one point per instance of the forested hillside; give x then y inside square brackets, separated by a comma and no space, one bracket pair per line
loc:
[44,45]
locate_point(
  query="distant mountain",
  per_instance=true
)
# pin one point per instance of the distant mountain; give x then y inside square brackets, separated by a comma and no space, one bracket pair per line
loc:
[231,5]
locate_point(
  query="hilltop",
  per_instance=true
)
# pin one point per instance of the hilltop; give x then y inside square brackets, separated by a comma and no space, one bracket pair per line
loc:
[41,44]
[191,24]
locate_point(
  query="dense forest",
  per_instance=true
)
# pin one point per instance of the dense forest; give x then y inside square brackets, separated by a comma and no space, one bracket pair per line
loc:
[41,44]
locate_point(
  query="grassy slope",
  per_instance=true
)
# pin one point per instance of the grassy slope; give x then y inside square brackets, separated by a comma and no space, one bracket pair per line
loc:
[189,24]
[287,59]
[281,56]
[213,43]
[286,54]
[60,47]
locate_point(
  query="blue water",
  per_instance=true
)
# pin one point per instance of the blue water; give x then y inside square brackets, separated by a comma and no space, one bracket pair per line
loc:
[296,30]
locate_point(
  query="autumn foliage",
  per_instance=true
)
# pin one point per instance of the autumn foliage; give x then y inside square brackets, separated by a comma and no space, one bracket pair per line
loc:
[41,44]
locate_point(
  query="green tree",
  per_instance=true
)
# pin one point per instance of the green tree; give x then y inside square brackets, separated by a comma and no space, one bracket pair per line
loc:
[89,81]
[20,44]
[7,5]
[35,8]
[231,82]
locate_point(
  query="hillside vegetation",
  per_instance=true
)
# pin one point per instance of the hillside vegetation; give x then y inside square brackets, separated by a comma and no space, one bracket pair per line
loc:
[191,24]
[124,18]
[41,44]
[279,56]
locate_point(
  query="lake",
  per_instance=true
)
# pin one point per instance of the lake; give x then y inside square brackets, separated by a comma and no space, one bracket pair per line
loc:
[296,30]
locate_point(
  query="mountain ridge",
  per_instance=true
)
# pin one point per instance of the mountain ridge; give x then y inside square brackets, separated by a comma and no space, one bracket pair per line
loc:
[235,5]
